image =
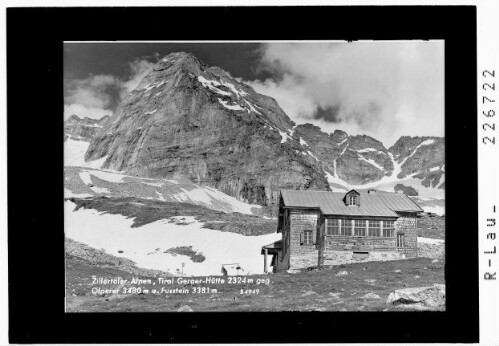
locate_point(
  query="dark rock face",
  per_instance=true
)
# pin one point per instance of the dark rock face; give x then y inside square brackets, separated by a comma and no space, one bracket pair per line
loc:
[407,190]
[363,160]
[422,156]
[82,129]
[189,120]
[355,159]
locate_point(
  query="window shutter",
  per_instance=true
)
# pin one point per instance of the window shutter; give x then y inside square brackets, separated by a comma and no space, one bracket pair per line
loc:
[301,238]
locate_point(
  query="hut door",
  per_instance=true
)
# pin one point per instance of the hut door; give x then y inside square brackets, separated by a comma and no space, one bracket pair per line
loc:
[400,241]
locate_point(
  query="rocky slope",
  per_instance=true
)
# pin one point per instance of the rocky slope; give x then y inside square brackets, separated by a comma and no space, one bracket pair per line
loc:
[413,165]
[84,129]
[356,160]
[186,119]
[422,158]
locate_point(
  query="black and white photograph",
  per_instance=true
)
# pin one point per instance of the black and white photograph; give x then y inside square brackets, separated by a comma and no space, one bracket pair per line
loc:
[251,174]
[254,176]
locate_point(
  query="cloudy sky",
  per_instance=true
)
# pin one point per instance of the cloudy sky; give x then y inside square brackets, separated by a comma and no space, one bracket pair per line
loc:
[382,89]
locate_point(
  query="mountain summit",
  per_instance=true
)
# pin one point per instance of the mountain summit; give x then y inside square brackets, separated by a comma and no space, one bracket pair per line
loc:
[186,119]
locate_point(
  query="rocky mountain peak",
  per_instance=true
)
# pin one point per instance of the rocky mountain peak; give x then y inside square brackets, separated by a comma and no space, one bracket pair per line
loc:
[188,120]
[339,136]
[360,142]
[180,61]
[82,129]
[73,119]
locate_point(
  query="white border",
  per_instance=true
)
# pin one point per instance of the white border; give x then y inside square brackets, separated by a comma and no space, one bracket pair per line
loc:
[488,173]
[488,47]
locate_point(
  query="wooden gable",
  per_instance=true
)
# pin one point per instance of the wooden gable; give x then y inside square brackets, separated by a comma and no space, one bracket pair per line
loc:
[352,198]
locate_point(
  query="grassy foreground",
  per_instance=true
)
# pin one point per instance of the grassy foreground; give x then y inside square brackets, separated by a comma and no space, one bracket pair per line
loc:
[310,290]
[307,290]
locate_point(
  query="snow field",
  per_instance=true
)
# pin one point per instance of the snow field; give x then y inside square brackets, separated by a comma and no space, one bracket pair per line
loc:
[146,245]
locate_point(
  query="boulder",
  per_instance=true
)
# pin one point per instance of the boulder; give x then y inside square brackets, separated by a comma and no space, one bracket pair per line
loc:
[432,297]
[342,273]
[185,308]
[308,293]
[371,296]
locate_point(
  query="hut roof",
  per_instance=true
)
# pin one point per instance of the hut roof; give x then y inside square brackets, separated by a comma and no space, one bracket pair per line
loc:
[331,203]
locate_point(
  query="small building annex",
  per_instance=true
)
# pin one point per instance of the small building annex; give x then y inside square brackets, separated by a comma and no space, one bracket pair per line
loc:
[323,227]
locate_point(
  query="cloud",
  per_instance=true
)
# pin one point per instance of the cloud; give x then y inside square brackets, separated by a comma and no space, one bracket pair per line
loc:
[85,111]
[98,95]
[138,69]
[383,89]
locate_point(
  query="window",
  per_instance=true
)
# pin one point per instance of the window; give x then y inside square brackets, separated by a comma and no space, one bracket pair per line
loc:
[307,237]
[332,226]
[400,240]
[360,228]
[346,227]
[388,228]
[352,200]
[374,228]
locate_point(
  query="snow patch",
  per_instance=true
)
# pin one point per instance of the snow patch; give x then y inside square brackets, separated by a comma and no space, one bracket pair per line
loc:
[251,108]
[284,136]
[387,183]
[108,176]
[232,107]
[160,196]
[366,150]
[114,232]
[343,141]
[96,163]
[149,87]
[69,194]
[370,161]
[435,209]
[153,184]
[237,206]
[310,153]
[427,142]
[150,112]
[74,152]
[85,177]
[370,150]
[212,85]
[424,143]
[99,189]
[344,149]
[302,142]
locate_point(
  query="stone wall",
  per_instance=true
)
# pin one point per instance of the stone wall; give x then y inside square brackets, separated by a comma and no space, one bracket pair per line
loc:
[353,243]
[407,225]
[332,257]
[340,249]
[302,256]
